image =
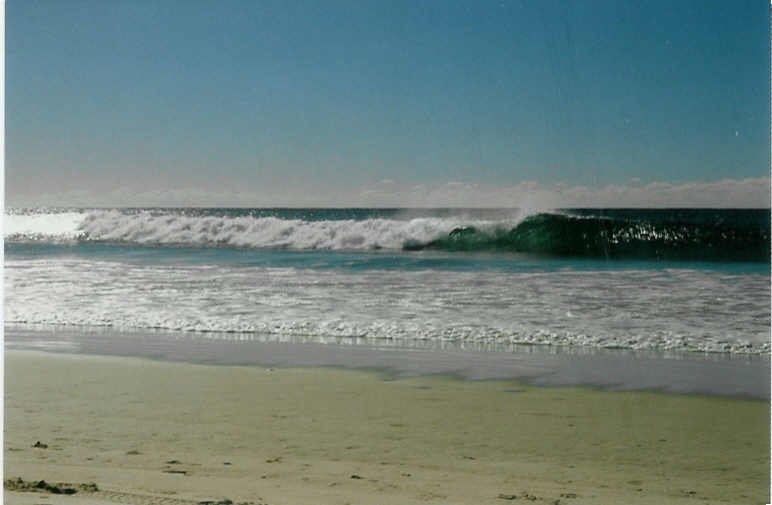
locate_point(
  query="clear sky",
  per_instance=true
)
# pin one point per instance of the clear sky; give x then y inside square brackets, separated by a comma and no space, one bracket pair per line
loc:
[140,102]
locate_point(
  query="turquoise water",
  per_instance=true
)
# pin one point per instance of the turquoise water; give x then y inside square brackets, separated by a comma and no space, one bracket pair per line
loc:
[359,261]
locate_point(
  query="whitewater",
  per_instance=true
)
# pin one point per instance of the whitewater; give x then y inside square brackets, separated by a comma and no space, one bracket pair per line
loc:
[684,281]
[149,227]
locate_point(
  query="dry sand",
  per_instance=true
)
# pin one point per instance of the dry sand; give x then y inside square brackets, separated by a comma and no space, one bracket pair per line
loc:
[151,432]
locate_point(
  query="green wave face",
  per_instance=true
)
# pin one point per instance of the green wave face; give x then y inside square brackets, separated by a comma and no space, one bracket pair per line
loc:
[609,237]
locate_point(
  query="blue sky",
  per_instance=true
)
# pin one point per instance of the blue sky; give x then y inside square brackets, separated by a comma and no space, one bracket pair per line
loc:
[385,102]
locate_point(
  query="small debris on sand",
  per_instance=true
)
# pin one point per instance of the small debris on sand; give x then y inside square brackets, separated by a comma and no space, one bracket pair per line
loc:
[355,476]
[522,496]
[40,445]
[180,472]
[22,485]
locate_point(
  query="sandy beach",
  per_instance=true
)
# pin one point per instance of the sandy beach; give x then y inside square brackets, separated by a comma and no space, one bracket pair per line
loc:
[156,432]
[291,252]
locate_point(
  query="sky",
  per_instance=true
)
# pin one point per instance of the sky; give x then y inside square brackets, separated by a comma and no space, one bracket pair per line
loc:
[387,103]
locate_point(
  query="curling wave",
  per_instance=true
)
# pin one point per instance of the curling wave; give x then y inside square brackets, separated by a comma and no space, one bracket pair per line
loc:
[604,237]
[651,235]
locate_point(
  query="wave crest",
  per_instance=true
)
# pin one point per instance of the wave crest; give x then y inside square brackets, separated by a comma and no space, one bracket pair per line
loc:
[173,228]
[603,237]
[649,235]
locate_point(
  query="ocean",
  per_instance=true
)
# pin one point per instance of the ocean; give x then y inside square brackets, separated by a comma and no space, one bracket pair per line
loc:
[665,280]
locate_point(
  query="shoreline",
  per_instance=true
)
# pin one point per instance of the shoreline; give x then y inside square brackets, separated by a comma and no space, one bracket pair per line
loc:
[743,376]
[329,435]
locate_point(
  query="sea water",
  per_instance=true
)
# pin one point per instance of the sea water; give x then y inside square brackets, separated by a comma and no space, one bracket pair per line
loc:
[694,281]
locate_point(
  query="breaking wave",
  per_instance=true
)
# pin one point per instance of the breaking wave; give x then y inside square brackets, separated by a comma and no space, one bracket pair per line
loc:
[602,237]
[636,235]
[148,227]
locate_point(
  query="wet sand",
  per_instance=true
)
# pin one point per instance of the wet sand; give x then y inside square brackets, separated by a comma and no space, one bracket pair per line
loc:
[612,369]
[152,432]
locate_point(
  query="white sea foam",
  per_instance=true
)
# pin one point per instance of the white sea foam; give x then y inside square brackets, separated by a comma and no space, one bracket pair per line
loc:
[170,228]
[637,309]
[53,226]
[656,309]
